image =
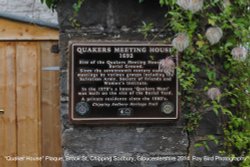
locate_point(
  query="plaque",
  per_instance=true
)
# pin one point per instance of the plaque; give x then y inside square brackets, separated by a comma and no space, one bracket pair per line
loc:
[123,83]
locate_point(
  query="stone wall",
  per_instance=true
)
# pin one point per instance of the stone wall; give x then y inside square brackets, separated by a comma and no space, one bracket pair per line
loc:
[28,8]
[119,20]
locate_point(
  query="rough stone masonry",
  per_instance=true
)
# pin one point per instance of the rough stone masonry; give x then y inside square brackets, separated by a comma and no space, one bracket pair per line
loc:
[118,20]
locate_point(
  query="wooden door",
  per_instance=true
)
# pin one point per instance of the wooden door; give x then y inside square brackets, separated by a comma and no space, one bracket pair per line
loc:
[8,120]
[29,105]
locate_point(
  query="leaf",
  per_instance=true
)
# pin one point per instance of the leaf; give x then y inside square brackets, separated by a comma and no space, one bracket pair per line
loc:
[162,2]
[206,145]
[216,111]
[200,44]
[213,138]
[226,111]
[212,22]
[211,74]
[146,28]
[198,145]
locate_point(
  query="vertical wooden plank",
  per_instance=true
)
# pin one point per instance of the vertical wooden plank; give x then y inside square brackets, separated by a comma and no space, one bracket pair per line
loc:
[28,102]
[51,131]
[8,104]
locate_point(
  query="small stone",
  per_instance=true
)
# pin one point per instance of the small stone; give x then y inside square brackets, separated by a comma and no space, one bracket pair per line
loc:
[125,29]
[140,130]
[117,36]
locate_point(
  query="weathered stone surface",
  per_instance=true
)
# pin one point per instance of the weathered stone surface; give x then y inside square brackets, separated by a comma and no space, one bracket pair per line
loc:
[126,164]
[125,139]
[112,14]
[115,20]
[209,125]
[106,162]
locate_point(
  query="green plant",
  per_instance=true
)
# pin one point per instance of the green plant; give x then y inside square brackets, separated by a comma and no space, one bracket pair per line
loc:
[219,33]
[50,3]
[193,121]
[76,8]
[146,28]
